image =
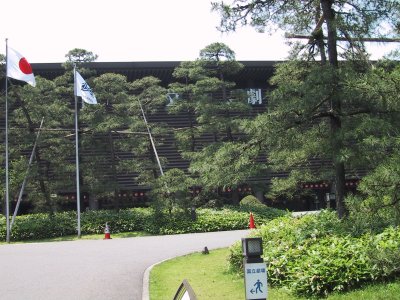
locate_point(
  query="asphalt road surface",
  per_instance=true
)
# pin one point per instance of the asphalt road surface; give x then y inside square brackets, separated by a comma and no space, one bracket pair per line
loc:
[94,269]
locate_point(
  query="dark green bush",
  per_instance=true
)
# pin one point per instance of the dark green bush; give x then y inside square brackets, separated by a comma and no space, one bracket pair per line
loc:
[338,263]
[284,233]
[119,221]
[329,264]
[41,226]
[365,217]
[383,251]
[229,218]
[250,200]
[262,213]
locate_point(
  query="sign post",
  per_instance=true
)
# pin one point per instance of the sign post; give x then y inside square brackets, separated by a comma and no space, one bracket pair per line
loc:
[255,279]
[255,270]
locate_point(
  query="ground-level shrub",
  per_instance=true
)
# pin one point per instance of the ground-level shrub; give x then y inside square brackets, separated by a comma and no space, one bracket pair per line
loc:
[41,226]
[314,255]
[124,220]
[383,251]
[228,218]
[283,233]
[250,200]
[329,264]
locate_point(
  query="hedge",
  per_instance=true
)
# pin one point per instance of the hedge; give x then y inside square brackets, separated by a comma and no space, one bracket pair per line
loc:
[42,226]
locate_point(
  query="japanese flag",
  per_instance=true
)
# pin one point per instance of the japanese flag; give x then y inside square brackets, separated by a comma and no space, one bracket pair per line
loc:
[83,90]
[19,68]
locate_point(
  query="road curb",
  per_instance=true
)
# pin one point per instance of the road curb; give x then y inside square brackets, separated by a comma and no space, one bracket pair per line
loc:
[145,282]
[146,276]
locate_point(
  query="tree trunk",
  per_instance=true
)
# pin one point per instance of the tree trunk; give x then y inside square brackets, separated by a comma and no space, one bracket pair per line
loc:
[229,135]
[329,16]
[336,123]
[318,34]
[260,195]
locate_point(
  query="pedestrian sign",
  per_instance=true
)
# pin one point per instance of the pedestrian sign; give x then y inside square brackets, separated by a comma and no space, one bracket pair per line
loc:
[255,278]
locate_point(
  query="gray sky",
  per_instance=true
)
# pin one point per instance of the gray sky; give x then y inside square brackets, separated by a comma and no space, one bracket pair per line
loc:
[128,30]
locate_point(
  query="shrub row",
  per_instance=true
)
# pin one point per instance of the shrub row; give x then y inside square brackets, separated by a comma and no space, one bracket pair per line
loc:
[314,255]
[41,226]
[229,218]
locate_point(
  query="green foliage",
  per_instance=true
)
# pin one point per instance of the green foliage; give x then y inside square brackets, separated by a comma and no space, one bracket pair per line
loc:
[41,226]
[31,106]
[355,19]
[316,254]
[250,200]
[228,218]
[119,221]
[107,132]
[369,214]
[378,206]
[330,264]
[102,120]
[214,203]
[287,232]
[288,187]
[79,56]
[207,98]
[148,97]
[224,163]
[171,190]
[383,252]
[327,110]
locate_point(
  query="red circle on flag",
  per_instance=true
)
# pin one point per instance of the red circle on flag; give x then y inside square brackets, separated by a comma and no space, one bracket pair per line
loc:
[24,66]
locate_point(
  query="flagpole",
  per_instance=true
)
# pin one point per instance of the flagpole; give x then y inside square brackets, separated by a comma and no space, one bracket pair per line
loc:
[6,142]
[78,197]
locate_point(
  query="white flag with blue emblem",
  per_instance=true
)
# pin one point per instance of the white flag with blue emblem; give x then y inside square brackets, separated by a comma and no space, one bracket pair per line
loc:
[83,90]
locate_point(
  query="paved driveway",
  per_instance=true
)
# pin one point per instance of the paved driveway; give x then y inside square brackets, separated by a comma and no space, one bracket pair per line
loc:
[94,269]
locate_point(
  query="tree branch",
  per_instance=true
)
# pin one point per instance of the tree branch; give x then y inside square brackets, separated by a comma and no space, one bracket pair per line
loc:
[361,39]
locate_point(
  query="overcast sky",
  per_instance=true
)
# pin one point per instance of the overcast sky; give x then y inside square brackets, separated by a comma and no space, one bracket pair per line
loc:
[127,30]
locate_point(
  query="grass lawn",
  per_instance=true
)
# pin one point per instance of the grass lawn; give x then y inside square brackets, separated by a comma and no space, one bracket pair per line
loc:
[207,274]
[210,279]
[388,291]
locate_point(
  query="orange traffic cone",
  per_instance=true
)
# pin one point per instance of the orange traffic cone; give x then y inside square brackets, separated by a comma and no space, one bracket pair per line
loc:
[252,225]
[107,234]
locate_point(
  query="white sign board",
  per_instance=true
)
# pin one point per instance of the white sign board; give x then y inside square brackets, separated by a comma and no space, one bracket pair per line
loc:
[185,296]
[255,278]
[254,96]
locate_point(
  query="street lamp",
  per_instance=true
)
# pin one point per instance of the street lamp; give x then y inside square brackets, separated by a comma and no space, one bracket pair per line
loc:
[252,250]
